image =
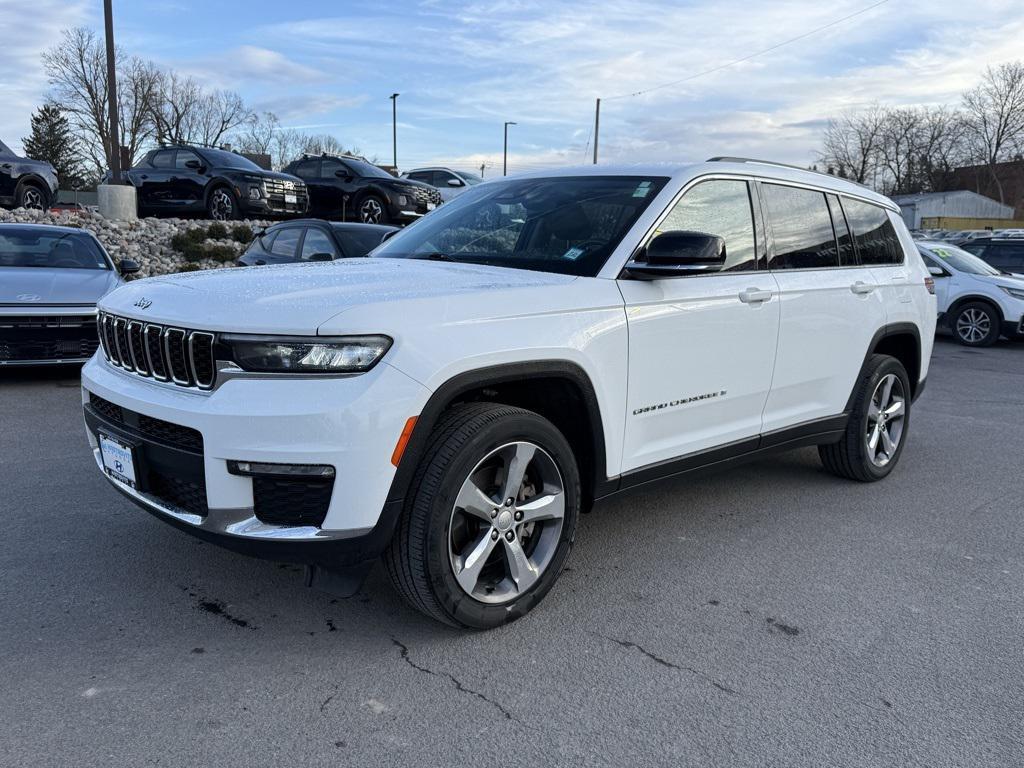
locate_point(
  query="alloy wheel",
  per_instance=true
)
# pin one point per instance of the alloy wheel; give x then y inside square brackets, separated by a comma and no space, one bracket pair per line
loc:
[973,325]
[32,198]
[886,416]
[222,207]
[370,211]
[506,523]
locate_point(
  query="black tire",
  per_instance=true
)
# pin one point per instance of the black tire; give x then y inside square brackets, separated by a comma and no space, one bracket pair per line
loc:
[372,210]
[222,204]
[975,324]
[32,196]
[850,457]
[418,558]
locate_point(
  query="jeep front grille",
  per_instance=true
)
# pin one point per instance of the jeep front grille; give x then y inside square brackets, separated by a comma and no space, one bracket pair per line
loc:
[178,355]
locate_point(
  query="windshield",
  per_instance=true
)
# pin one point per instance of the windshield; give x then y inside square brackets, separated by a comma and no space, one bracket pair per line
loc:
[961,261]
[565,224]
[367,169]
[49,248]
[223,159]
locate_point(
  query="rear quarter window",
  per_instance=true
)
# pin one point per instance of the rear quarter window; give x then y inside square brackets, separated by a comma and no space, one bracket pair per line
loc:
[874,235]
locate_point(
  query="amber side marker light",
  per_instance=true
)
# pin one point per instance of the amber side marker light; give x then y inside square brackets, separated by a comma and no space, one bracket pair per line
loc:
[403,440]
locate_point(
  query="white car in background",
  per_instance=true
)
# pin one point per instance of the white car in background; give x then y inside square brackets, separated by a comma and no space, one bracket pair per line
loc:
[976,301]
[450,183]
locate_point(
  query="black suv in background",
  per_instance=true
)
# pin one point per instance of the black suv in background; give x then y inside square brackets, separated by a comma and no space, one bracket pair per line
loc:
[351,188]
[190,180]
[312,240]
[26,183]
[1004,253]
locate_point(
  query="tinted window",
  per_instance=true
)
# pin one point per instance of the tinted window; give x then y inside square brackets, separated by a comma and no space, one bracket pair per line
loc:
[162,159]
[843,237]
[316,242]
[49,248]
[565,224]
[960,260]
[471,178]
[720,207]
[1005,255]
[307,169]
[441,178]
[358,242]
[874,234]
[184,156]
[427,177]
[330,167]
[225,159]
[802,228]
[286,242]
[366,169]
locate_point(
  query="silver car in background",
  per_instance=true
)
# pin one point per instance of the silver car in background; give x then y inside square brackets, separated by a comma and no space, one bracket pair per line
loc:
[50,280]
[450,183]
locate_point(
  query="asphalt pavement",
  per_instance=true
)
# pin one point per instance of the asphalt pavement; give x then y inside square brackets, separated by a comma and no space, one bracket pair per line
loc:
[768,616]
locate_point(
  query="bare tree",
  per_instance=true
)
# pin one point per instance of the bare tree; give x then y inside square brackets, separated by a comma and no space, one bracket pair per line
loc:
[173,106]
[851,145]
[323,143]
[77,72]
[995,116]
[217,114]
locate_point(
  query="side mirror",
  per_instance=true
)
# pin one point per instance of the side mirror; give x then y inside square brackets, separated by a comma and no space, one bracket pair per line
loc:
[937,272]
[679,253]
[322,257]
[193,165]
[128,267]
[455,183]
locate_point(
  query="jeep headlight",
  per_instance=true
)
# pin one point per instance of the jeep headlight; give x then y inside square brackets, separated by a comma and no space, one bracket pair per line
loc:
[268,354]
[1017,293]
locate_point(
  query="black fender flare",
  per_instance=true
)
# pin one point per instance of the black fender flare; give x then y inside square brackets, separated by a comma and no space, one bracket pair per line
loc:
[892,329]
[469,381]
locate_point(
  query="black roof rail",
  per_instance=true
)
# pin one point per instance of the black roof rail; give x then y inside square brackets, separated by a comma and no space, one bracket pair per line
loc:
[728,159]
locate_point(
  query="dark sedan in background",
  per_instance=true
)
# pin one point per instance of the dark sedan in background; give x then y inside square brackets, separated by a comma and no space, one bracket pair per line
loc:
[50,280]
[187,180]
[313,240]
[26,183]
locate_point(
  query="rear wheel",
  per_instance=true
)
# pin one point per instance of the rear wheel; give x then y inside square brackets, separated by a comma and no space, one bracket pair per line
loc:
[976,324]
[490,517]
[877,427]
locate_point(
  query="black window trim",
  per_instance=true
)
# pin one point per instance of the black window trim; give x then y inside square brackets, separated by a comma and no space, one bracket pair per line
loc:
[849,230]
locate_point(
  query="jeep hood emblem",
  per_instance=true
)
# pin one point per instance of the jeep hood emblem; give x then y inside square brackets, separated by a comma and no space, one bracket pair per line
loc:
[143,303]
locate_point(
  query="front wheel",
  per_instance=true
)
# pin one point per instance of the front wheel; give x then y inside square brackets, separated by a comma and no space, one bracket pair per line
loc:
[490,517]
[373,211]
[222,205]
[877,428]
[976,324]
[32,197]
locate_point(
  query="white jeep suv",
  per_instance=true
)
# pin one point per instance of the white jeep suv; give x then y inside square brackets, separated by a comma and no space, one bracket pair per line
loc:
[453,402]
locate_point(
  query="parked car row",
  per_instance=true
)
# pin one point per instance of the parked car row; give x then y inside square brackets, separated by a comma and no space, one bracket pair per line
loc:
[26,183]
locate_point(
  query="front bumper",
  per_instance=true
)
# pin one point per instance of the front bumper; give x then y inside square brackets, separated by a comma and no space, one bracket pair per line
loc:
[349,423]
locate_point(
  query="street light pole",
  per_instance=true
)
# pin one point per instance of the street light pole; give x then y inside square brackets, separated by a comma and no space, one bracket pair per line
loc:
[597,127]
[504,162]
[114,137]
[394,131]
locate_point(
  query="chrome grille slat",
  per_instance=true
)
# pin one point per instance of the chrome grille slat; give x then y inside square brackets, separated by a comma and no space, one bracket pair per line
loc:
[176,355]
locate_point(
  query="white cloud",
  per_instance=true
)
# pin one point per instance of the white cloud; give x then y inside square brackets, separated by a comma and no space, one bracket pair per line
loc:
[29,29]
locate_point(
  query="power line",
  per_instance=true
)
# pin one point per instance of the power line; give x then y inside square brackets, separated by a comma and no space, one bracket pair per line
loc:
[754,55]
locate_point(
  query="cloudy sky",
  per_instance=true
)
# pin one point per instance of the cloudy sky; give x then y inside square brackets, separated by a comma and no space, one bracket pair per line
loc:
[463,68]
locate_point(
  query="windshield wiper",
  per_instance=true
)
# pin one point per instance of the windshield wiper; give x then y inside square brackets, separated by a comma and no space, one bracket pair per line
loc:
[435,256]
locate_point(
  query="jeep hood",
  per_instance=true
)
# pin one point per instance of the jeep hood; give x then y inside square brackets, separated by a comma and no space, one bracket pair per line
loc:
[299,298]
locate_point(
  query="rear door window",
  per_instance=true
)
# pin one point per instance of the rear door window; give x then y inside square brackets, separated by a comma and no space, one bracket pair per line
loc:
[163,159]
[801,227]
[307,169]
[316,241]
[719,207]
[875,236]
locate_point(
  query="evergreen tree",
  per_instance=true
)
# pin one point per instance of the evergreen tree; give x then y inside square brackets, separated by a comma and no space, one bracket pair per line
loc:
[53,142]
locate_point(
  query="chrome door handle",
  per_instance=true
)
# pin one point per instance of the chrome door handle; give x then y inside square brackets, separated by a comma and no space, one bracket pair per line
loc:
[861,288]
[754,296]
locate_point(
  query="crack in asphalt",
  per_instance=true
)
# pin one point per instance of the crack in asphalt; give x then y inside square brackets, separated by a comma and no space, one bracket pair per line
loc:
[459,686]
[665,663]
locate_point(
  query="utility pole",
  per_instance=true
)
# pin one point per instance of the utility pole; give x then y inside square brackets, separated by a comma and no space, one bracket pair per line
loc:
[394,130]
[597,127]
[504,162]
[114,137]
[482,166]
